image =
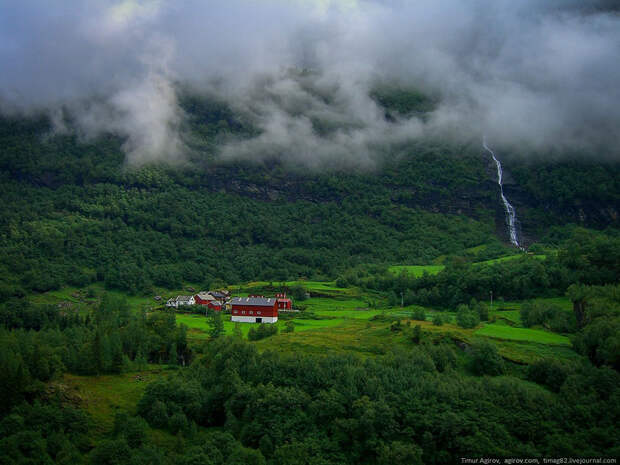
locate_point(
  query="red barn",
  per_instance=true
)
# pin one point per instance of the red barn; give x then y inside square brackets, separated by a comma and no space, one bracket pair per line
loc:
[284,303]
[203,298]
[254,309]
[215,305]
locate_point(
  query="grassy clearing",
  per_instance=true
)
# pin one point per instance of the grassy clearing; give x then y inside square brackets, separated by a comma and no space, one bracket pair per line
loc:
[513,316]
[522,334]
[103,396]
[529,352]
[327,304]
[416,270]
[355,314]
[199,327]
[318,287]
[508,258]
[357,336]
[562,302]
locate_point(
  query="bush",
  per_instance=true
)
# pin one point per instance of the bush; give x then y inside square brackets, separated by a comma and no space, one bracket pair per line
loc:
[419,314]
[467,318]
[550,316]
[133,429]
[298,293]
[416,334]
[549,373]
[438,319]
[178,422]
[263,331]
[486,359]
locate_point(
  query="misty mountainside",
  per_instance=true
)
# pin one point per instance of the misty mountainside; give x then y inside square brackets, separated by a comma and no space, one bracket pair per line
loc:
[74,211]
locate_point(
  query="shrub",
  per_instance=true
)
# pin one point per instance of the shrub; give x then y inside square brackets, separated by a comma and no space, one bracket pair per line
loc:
[419,314]
[466,318]
[416,334]
[549,373]
[486,359]
[263,331]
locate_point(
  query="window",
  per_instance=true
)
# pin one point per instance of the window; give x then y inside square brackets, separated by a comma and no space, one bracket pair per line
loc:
[258,312]
[243,312]
[251,312]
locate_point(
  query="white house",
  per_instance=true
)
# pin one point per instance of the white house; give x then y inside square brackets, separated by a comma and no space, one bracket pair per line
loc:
[180,301]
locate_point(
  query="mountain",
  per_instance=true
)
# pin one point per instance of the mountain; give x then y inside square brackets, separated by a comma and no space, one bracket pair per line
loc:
[75,212]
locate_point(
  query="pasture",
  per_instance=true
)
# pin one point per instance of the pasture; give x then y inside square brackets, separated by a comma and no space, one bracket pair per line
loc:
[416,270]
[497,331]
[104,395]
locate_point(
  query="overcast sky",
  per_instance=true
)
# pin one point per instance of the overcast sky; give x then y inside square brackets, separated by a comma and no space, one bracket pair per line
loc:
[527,75]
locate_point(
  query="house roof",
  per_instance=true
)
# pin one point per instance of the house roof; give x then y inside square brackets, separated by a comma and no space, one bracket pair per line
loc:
[205,296]
[258,301]
[184,298]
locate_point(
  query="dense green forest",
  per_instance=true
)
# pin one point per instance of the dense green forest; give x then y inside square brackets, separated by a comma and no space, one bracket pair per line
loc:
[427,402]
[73,213]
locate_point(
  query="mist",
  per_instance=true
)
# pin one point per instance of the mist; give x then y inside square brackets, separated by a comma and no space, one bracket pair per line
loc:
[533,76]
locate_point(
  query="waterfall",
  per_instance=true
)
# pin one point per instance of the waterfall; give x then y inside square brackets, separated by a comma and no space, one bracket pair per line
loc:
[511,214]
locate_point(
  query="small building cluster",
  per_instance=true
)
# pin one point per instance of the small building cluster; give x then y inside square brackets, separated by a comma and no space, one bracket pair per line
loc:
[215,300]
[252,309]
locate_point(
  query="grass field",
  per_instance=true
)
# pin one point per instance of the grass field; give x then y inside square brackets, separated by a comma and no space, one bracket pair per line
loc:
[508,258]
[342,321]
[325,303]
[103,396]
[319,287]
[353,335]
[528,352]
[416,270]
[522,334]
[199,327]
[513,316]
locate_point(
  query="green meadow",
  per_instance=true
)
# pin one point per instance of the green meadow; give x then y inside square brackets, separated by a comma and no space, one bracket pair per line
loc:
[419,270]
[416,270]
[342,319]
[539,336]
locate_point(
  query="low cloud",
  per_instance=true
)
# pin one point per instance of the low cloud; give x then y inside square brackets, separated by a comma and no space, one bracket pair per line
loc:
[534,76]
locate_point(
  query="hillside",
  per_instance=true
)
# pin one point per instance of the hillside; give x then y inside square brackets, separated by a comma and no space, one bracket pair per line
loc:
[74,212]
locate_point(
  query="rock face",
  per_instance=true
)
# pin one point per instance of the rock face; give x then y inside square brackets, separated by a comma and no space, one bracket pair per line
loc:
[467,196]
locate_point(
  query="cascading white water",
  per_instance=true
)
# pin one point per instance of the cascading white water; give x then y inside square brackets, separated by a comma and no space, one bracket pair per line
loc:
[511,214]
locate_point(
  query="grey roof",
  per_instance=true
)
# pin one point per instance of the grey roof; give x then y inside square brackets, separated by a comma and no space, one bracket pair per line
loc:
[260,301]
[183,298]
[205,296]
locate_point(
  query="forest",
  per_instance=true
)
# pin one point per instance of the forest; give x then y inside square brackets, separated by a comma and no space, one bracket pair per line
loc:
[73,213]
[425,403]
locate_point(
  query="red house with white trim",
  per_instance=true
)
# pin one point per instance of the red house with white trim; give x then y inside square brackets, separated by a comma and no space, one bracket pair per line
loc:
[215,305]
[203,298]
[254,309]
[284,303]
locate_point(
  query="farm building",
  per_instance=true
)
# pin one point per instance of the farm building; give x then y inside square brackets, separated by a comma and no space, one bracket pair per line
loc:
[254,309]
[219,295]
[203,298]
[284,303]
[180,301]
[215,305]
